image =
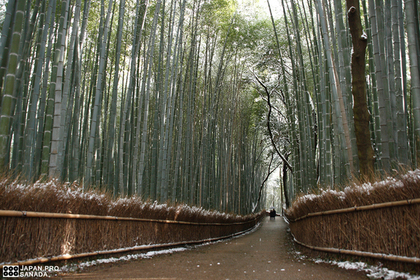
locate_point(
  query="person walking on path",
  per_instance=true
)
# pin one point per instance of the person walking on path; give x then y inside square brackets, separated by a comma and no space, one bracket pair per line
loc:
[273,213]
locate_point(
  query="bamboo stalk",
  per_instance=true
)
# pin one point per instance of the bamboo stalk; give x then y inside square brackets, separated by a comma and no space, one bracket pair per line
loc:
[363,254]
[124,250]
[360,208]
[31,214]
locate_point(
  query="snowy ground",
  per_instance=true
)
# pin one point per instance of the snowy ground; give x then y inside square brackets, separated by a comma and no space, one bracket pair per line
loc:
[373,272]
[80,266]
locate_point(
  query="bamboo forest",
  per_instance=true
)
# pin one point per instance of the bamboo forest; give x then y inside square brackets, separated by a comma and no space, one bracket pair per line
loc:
[200,101]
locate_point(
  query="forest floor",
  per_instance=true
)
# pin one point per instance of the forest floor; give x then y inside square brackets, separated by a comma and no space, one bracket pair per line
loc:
[268,253]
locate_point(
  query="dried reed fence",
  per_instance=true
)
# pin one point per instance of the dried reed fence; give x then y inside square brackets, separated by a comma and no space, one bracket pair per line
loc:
[387,230]
[38,222]
[29,235]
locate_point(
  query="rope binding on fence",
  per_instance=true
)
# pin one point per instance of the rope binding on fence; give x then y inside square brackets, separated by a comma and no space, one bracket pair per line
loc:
[31,214]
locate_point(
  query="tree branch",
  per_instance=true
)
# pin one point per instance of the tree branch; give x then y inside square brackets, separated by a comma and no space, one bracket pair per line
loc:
[268,123]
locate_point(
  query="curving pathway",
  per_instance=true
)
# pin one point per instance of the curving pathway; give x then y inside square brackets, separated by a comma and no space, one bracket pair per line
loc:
[264,254]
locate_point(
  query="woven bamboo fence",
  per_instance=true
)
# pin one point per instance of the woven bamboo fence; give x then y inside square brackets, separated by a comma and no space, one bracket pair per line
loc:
[43,236]
[388,231]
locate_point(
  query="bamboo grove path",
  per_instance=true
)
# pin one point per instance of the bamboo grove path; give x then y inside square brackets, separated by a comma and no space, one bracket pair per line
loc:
[263,254]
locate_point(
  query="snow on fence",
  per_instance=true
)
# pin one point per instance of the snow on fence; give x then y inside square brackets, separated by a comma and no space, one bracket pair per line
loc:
[42,237]
[388,230]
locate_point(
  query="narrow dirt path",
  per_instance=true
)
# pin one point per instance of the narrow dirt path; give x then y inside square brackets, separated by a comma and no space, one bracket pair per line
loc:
[264,254]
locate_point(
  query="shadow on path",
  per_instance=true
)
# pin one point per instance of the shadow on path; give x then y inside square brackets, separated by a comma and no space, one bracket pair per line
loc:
[264,254]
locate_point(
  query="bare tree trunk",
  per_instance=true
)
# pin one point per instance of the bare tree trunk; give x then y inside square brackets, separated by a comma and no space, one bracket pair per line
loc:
[360,110]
